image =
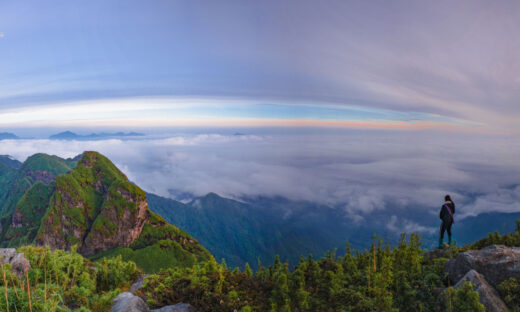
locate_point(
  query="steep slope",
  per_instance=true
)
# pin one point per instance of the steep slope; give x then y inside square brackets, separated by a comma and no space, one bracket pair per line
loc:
[8,167]
[10,162]
[233,231]
[37,168]
[97,209]
[23,224]
[243,232]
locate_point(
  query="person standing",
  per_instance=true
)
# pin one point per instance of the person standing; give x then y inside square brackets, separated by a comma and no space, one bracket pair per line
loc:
[446,215]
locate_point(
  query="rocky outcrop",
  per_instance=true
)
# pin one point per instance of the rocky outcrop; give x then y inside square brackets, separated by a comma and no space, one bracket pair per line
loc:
[485,269]
[94,207]
[122,224]
[127,302]
[496,263]
[138,283]
[41,175]
[180,307]
[487,294]
[17,261]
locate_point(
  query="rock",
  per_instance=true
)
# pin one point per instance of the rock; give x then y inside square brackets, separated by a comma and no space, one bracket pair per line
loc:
[17,261]
[436,253]
[117,219]
[7,254]
[127,302]
[138,284]
[488,295]
[496,263]
[179,307]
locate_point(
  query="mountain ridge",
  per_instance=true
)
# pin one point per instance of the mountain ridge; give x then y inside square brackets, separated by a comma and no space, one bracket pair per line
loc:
[92,207]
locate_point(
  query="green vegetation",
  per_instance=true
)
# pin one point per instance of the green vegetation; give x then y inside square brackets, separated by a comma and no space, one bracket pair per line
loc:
[160,246]
[14,181]
[28,214]
[64,281]
[510,291]
[94,207]
[463,299]
[512,239]
[381,278]
[378,279]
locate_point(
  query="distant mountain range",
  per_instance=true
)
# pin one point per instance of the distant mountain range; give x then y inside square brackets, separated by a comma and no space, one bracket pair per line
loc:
[8,136]
[68,135]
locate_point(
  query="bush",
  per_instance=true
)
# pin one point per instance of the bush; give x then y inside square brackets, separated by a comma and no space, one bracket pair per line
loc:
[464,299]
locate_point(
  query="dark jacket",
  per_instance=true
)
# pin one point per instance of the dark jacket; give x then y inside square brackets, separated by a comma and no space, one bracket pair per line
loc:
[445,215]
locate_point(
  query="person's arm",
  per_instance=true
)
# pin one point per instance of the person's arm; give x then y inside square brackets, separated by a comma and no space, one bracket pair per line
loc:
[440,214]
[453,207]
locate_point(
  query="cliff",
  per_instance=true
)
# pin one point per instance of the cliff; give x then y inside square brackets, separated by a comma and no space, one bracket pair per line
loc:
[97,209]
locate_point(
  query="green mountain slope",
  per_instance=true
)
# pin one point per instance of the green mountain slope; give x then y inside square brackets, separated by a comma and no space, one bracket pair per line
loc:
[21,227]
[9,162]
[88,203]
[37,168]
[243,232]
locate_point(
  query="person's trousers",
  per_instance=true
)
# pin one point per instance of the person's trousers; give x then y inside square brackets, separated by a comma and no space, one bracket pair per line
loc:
[446,227]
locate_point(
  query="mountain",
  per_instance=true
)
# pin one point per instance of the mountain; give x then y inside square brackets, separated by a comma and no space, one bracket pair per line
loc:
[37,168]
[68,136]
[261,228]
[94,208]
[6,160]
[8,136]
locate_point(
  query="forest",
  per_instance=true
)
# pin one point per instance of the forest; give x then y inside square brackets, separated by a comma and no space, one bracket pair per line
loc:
[382,278]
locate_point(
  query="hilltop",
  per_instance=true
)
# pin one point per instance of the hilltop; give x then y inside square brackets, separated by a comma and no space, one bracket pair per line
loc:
[88,203]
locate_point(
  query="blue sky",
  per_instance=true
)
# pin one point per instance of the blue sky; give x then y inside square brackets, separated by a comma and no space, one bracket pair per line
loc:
[266,63]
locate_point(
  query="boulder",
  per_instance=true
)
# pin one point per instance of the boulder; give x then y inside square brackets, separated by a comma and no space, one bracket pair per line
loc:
[17,261]
[127,302]
[496,263]
[138,284]
[179,307]
[488,295]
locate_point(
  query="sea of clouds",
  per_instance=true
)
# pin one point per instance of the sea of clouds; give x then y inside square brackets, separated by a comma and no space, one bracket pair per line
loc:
[360,172]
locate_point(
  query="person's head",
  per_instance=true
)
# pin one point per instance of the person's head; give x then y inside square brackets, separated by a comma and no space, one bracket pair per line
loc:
[447,198]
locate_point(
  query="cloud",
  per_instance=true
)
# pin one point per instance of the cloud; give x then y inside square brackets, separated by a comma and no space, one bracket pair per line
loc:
[359,172]
[400,225]
[502,200]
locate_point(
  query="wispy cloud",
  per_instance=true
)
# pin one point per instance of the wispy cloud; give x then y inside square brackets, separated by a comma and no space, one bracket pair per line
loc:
[401,225]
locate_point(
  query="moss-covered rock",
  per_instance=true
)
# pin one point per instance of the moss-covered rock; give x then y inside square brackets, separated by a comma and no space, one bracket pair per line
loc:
[96,208]
[93,208]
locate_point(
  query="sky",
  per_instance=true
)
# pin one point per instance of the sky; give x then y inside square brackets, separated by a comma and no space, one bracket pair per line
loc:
[366,103]
[438,64]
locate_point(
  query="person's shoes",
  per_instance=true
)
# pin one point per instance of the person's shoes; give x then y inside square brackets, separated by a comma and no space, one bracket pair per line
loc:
[449,240]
